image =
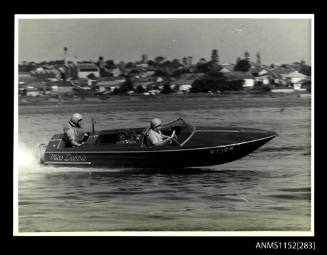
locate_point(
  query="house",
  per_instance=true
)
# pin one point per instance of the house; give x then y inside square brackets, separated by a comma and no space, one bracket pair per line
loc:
[227,66]
[31,91]
[115,72]
[302,85]
[294,77]
[146,74]
[85,69]
[184,88]
[263,79]
[184,81]
[144,84]
[277,74]
[27,78]
[225,70]
[109,83]
[45,74]
[247,78]
[61,89]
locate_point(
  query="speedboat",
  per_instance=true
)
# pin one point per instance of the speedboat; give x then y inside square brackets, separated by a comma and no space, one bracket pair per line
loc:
[192,146]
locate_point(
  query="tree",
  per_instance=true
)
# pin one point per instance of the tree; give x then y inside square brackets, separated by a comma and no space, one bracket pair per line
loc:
[175,61]
[129,65]
[178,73]
[214,57]
[184,61]
[110,64]
[305,69]
[159,59]
[214,81]
[160,73]
[243,66]
[91,76]
[167,62]
[140,89]
[247,56]
[258,59]
[126,86]
[151,63]
[166,89]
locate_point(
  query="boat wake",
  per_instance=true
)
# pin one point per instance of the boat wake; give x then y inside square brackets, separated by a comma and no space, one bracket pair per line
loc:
[26,157]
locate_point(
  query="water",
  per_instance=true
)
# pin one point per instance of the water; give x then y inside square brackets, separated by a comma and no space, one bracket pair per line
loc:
[268,190]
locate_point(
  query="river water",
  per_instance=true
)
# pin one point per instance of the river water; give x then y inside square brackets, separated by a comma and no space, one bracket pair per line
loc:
[268,190]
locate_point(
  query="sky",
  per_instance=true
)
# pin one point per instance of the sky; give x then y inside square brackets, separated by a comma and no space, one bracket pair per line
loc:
[279,41]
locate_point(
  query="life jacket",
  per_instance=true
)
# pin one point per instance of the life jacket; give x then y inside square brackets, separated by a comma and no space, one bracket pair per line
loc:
[79,132]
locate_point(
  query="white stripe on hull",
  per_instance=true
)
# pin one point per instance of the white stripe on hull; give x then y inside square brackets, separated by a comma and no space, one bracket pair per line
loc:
[70,163]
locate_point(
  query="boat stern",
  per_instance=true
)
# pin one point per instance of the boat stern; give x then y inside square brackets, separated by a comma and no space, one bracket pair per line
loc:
[42,149]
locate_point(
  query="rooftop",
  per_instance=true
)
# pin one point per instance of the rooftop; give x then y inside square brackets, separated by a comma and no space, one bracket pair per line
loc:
[86,65]
[237,75]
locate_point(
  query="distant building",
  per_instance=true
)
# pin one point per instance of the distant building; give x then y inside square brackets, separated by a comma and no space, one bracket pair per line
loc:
[115,72]
[85,69]
[58,89]
[263,79]
[294,77]
[247,78]
[184,82]
[109,83]
[224,70]
[185,87]
[227,66]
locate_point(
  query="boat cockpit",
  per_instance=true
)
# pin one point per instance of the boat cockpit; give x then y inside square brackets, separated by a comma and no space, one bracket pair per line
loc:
[135,137]
[138,136]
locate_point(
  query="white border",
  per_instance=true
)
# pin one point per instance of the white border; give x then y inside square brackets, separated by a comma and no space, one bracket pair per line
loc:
[15,159]
[312,127]
[158,233]
[165,16]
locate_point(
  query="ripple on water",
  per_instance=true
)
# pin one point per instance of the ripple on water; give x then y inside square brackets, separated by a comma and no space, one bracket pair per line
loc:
[266,190]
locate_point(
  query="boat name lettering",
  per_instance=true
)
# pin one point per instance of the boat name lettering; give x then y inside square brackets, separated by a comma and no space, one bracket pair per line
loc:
[68,157]
[221,150]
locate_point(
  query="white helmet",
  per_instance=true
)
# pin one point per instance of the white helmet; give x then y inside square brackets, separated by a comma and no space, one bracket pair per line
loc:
[76,118]
[156,122]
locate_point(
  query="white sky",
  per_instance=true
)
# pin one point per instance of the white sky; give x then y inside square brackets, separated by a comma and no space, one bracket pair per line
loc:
[278,40]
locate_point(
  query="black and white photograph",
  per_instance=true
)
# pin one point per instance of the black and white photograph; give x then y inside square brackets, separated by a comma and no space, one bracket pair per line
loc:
[163,125]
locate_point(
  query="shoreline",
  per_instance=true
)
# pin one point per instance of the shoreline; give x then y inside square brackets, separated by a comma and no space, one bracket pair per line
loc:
[164,102]
[170,97]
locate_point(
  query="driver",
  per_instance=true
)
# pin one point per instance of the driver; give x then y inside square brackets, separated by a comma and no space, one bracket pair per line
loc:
[155,137]
[74,134]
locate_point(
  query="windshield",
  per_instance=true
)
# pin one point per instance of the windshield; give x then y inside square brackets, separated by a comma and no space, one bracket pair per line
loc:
[182,129]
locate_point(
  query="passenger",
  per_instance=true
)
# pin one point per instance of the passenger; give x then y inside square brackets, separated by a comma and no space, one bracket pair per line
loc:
[74,134]
[156,138]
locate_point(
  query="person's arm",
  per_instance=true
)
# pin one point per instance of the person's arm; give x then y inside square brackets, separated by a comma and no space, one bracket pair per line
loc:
[164,142]
[167,136]
[168,140]
[157,142]
[74,143]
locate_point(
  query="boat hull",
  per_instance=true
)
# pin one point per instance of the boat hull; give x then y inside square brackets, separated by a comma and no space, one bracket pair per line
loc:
[170,158]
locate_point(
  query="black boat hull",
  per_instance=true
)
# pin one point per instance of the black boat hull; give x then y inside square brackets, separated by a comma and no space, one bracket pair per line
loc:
[172,158]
